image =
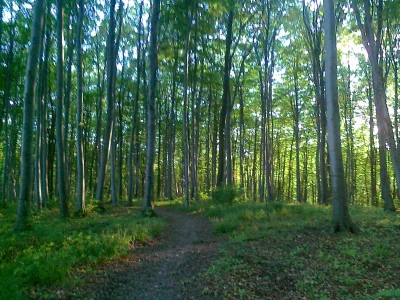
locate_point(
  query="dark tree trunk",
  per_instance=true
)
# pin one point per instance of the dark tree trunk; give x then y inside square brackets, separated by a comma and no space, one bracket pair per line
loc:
[222,172]
[25,195]
[151,109]
[80,181]
[61,170]
[134,119]
[108,134]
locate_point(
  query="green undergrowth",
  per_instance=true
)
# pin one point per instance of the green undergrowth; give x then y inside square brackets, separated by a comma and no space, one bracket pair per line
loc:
[292,253]
[55,252]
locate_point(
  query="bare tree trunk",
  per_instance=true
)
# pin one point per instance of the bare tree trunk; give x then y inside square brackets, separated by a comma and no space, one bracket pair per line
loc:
[373,47]
[223,173]
[185,112]
[110,104]
[151,110]
[341,216]
[25,194]
[372,151]
[61,175]
[44,142]
[134,121]
[171,132]
[80,181]
[7,96]
[39,130]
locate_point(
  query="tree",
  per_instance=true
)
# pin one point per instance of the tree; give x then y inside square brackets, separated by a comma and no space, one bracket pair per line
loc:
[110,103]
[372,42]
[80,199]
[341,216]
[61,174]
[25,193]
[151,110]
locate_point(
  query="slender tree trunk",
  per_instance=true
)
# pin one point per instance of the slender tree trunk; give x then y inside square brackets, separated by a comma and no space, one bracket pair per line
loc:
[135,109]
[61,175]
[151,109]
[25,194]
[185,112]
[222,172]
[373,47]
[171,131]
[214,147]
[80,181]
[110,104]
[254,171]
[44,152]
[39,131]
[372,151]
[341,216]
[296,132]
[7,96]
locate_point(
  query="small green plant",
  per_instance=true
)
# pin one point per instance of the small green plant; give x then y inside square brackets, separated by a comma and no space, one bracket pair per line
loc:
[49,254]
[227,195]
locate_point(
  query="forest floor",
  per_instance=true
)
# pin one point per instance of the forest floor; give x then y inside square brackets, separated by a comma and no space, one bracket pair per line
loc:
[168,267]
[241,254]
[211,250]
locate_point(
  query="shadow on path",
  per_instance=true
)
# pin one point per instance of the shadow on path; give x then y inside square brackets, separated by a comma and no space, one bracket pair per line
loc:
[168,269]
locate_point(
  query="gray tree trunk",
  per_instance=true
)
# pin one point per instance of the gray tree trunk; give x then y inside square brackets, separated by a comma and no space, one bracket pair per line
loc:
[61,175]
[185,112]
[341,216]
[110,104]
[80,181]
[135,109]
[151,110]
[372,43]
[25,194]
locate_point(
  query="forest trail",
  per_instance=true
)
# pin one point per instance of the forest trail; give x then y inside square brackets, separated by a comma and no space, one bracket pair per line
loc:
[167,269]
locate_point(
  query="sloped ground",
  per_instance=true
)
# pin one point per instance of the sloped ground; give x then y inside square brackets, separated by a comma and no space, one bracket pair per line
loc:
[293,256]
[169,268]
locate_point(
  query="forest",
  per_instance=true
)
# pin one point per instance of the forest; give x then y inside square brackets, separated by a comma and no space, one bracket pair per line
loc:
[244,112]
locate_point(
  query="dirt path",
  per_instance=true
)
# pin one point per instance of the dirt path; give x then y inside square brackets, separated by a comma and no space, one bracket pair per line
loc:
[166,270]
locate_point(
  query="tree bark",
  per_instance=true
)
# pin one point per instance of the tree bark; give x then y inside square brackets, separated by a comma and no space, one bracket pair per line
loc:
[25,194]
[185,112]
[151,110]
[341,216]
[110,104]
[135,108]
[61,175]
[223,173]
[80,181]
[372,43]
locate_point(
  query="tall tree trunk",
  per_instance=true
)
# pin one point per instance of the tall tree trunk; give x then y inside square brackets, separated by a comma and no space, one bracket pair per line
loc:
[372,43]
[80,181]
[151,109]
[44,136]
[214,147]
[39,130]
[61,175]
[372,151]
[25,194]
[341,216]
[222,172]
[208,158]
[185,111]
[7,97]
[108,137]
[296,131]
[134,120]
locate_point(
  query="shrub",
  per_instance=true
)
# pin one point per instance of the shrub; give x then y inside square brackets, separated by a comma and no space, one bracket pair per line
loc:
[227,195]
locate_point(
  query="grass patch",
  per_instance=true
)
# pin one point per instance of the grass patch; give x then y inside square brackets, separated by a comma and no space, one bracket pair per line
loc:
[293,253]
[55,251]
